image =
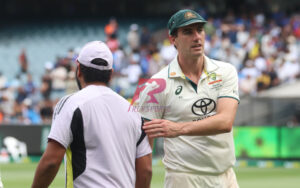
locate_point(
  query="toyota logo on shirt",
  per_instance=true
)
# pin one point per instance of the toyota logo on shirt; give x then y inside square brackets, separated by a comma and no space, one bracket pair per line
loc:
[203,106]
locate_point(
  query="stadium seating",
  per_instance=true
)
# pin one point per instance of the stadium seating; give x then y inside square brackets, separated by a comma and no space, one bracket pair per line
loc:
[45,41]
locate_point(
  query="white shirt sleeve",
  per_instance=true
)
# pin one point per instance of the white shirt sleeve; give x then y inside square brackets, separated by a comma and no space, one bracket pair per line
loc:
[60,128]
[143,146]
[230,87]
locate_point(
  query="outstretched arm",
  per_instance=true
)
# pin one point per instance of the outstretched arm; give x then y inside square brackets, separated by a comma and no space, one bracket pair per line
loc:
[48,165]
[222,122]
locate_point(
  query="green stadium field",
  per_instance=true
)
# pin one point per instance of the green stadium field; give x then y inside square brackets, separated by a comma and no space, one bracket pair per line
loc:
[20,175]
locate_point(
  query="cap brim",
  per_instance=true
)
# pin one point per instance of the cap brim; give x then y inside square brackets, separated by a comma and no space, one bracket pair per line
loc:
[192,22]
[188,23]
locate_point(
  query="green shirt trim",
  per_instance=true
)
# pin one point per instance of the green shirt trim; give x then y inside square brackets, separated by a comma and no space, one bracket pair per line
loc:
[230,97]
[146,119]
[193,84]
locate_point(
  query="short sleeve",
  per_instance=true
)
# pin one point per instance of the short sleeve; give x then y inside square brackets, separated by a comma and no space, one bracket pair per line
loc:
[151,103]
[230,84]
[61,121]
[143,146]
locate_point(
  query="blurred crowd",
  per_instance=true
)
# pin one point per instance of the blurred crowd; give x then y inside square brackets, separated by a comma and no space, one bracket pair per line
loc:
[265,51]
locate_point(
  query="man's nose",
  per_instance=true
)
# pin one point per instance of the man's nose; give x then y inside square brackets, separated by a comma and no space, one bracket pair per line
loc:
[196,35]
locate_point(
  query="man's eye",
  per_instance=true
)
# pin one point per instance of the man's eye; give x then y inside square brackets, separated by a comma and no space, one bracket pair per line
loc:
[200,29]
[187,32]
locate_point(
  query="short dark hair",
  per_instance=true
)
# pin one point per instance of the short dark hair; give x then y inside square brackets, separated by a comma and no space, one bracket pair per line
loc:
[95,75]
[174,33]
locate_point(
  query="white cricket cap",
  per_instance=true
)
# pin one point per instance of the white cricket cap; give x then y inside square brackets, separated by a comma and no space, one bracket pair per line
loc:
[95,50]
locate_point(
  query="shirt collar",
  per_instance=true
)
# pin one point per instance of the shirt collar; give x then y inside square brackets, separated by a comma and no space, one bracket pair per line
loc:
[175,70]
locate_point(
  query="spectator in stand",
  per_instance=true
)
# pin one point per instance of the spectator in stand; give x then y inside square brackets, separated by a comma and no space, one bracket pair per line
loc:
[247,86]
[133,73]
[155,64]
[119,60]
[21,94]
[113,43]
[71,85]
[145,38]
[59,76]
[30,114]
[46,85]
[29,86]
[250,69]
[3,99]
[213,46]
[8,102]
[167,52]
[293,52]
[111,28]
[288,71]
[46,111]
[209,28]
[273,76]
[260,62]
[263,81]
[242,34]
[17,116]
[1,118]
[133,37]
[23,61]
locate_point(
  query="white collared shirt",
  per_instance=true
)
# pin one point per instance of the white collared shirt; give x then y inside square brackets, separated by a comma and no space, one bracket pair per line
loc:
[102,138]
[171,95]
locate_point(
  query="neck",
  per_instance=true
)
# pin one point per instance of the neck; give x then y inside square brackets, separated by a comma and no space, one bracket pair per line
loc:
[192,67]
[93,83]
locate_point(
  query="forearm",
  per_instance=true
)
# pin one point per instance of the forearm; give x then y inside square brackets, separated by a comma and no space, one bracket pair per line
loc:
[213,125]
[45,173]
[48,165]
[143,168]
[144,180]
[221,122]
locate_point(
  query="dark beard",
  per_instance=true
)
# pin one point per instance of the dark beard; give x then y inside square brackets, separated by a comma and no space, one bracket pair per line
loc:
[77,80]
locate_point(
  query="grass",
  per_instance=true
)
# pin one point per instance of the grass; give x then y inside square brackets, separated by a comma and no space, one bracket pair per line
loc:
[21,175]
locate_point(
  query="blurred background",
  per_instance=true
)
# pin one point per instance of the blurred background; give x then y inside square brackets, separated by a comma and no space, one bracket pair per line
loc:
[40,40]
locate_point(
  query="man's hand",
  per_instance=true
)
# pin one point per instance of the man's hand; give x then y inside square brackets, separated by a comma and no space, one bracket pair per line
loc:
[162,128]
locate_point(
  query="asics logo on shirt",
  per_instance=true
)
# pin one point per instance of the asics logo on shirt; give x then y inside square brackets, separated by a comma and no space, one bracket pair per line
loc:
[178,90]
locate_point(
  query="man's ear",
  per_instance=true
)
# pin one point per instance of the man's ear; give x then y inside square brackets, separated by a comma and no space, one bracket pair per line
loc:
[78,72]
[172,39]
[112,71]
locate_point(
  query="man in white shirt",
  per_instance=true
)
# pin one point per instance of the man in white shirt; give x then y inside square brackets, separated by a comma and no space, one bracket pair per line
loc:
[103,143]
[195,111]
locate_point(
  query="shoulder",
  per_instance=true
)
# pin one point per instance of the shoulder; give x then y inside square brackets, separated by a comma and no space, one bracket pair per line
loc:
[163,73]
[65,105]
[72,101]
[223,67]
[223,64]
